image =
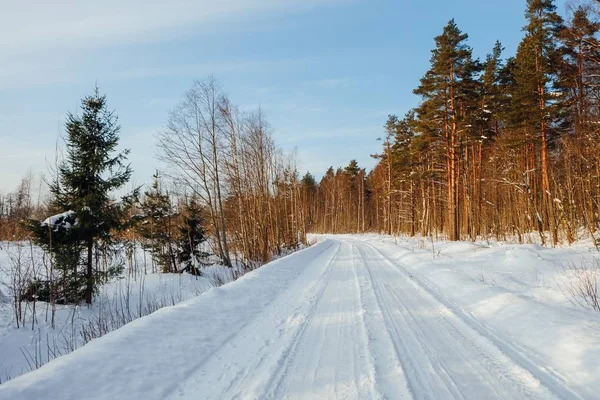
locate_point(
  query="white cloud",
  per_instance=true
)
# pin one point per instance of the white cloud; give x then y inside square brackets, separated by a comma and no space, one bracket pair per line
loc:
[41,25]
[39,38]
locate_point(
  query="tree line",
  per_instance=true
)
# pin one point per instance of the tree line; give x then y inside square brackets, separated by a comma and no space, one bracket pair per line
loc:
[500,147]
[227,195]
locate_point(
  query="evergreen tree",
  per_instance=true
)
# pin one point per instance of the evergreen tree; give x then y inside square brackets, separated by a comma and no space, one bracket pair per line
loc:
[83,187]
[494,97]
[536,102]
[309,199]
[58,236]
[579,83]
[448,91]
[308,181]
[191,236]
[401,150]
[352,169]
[579,75]
[403,160]
[157,225]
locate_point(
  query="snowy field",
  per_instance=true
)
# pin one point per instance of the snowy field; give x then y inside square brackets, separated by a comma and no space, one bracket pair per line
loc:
[358,317]
[120,301]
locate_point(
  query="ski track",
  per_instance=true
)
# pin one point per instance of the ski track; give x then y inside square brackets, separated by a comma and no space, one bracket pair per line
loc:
[364,328]
[441,354]
[351,323]
[523,357]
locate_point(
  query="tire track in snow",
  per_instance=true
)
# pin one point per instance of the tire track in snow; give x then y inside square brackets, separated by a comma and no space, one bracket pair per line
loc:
[193,380]
[497,354]
[390,377]
[297,342]
[409,355]
[366,335]
[330,357]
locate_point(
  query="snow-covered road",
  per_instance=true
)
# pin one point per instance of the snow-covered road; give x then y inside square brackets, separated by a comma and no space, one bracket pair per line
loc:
[340,320]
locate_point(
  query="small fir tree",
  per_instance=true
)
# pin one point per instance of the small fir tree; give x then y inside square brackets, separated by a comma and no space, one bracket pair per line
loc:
[156,224]
[83,187]
[191,236]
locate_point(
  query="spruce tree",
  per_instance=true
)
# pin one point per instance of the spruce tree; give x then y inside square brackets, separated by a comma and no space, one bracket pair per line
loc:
[191,236]
[85,180]
[58,236]
[157,225]
[308,181]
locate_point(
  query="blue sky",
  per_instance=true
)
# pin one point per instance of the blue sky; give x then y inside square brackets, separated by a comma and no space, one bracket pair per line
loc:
[326,72]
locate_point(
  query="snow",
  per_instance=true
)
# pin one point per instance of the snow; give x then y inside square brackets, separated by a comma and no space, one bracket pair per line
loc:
[130,296]
[355,316]
[24,348]
[59,220]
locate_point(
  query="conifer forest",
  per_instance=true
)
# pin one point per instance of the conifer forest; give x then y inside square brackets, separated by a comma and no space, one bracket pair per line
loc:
[504,147]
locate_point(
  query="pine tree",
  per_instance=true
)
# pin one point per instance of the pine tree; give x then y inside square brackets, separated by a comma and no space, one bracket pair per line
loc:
[578,77]
[536,103]
[448,91]
[85,181]
[385,160]
[403,164]
[579,83]
[494,92]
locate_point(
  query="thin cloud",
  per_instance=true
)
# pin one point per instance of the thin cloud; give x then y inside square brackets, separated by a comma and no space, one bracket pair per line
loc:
[30,26]
[51,42]
[195,70]
[335,83]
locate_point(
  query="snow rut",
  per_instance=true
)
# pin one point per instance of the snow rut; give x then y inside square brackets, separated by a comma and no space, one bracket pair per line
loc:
[354,325]
[329,358]
[338,321]
[443,355]
[244,364]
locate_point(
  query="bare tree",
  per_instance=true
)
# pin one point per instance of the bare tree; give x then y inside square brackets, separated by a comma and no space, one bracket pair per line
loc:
[191,145]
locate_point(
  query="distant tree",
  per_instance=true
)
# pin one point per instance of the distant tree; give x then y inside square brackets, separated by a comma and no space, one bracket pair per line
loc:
[157,225]
[191,236]
[352,169]
[404,160]
[309,200]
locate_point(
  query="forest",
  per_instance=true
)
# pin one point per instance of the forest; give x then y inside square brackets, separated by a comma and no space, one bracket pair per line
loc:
[504,148]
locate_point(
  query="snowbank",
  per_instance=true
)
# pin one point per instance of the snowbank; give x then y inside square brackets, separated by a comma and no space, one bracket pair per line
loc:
[150,355]
[516,293]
